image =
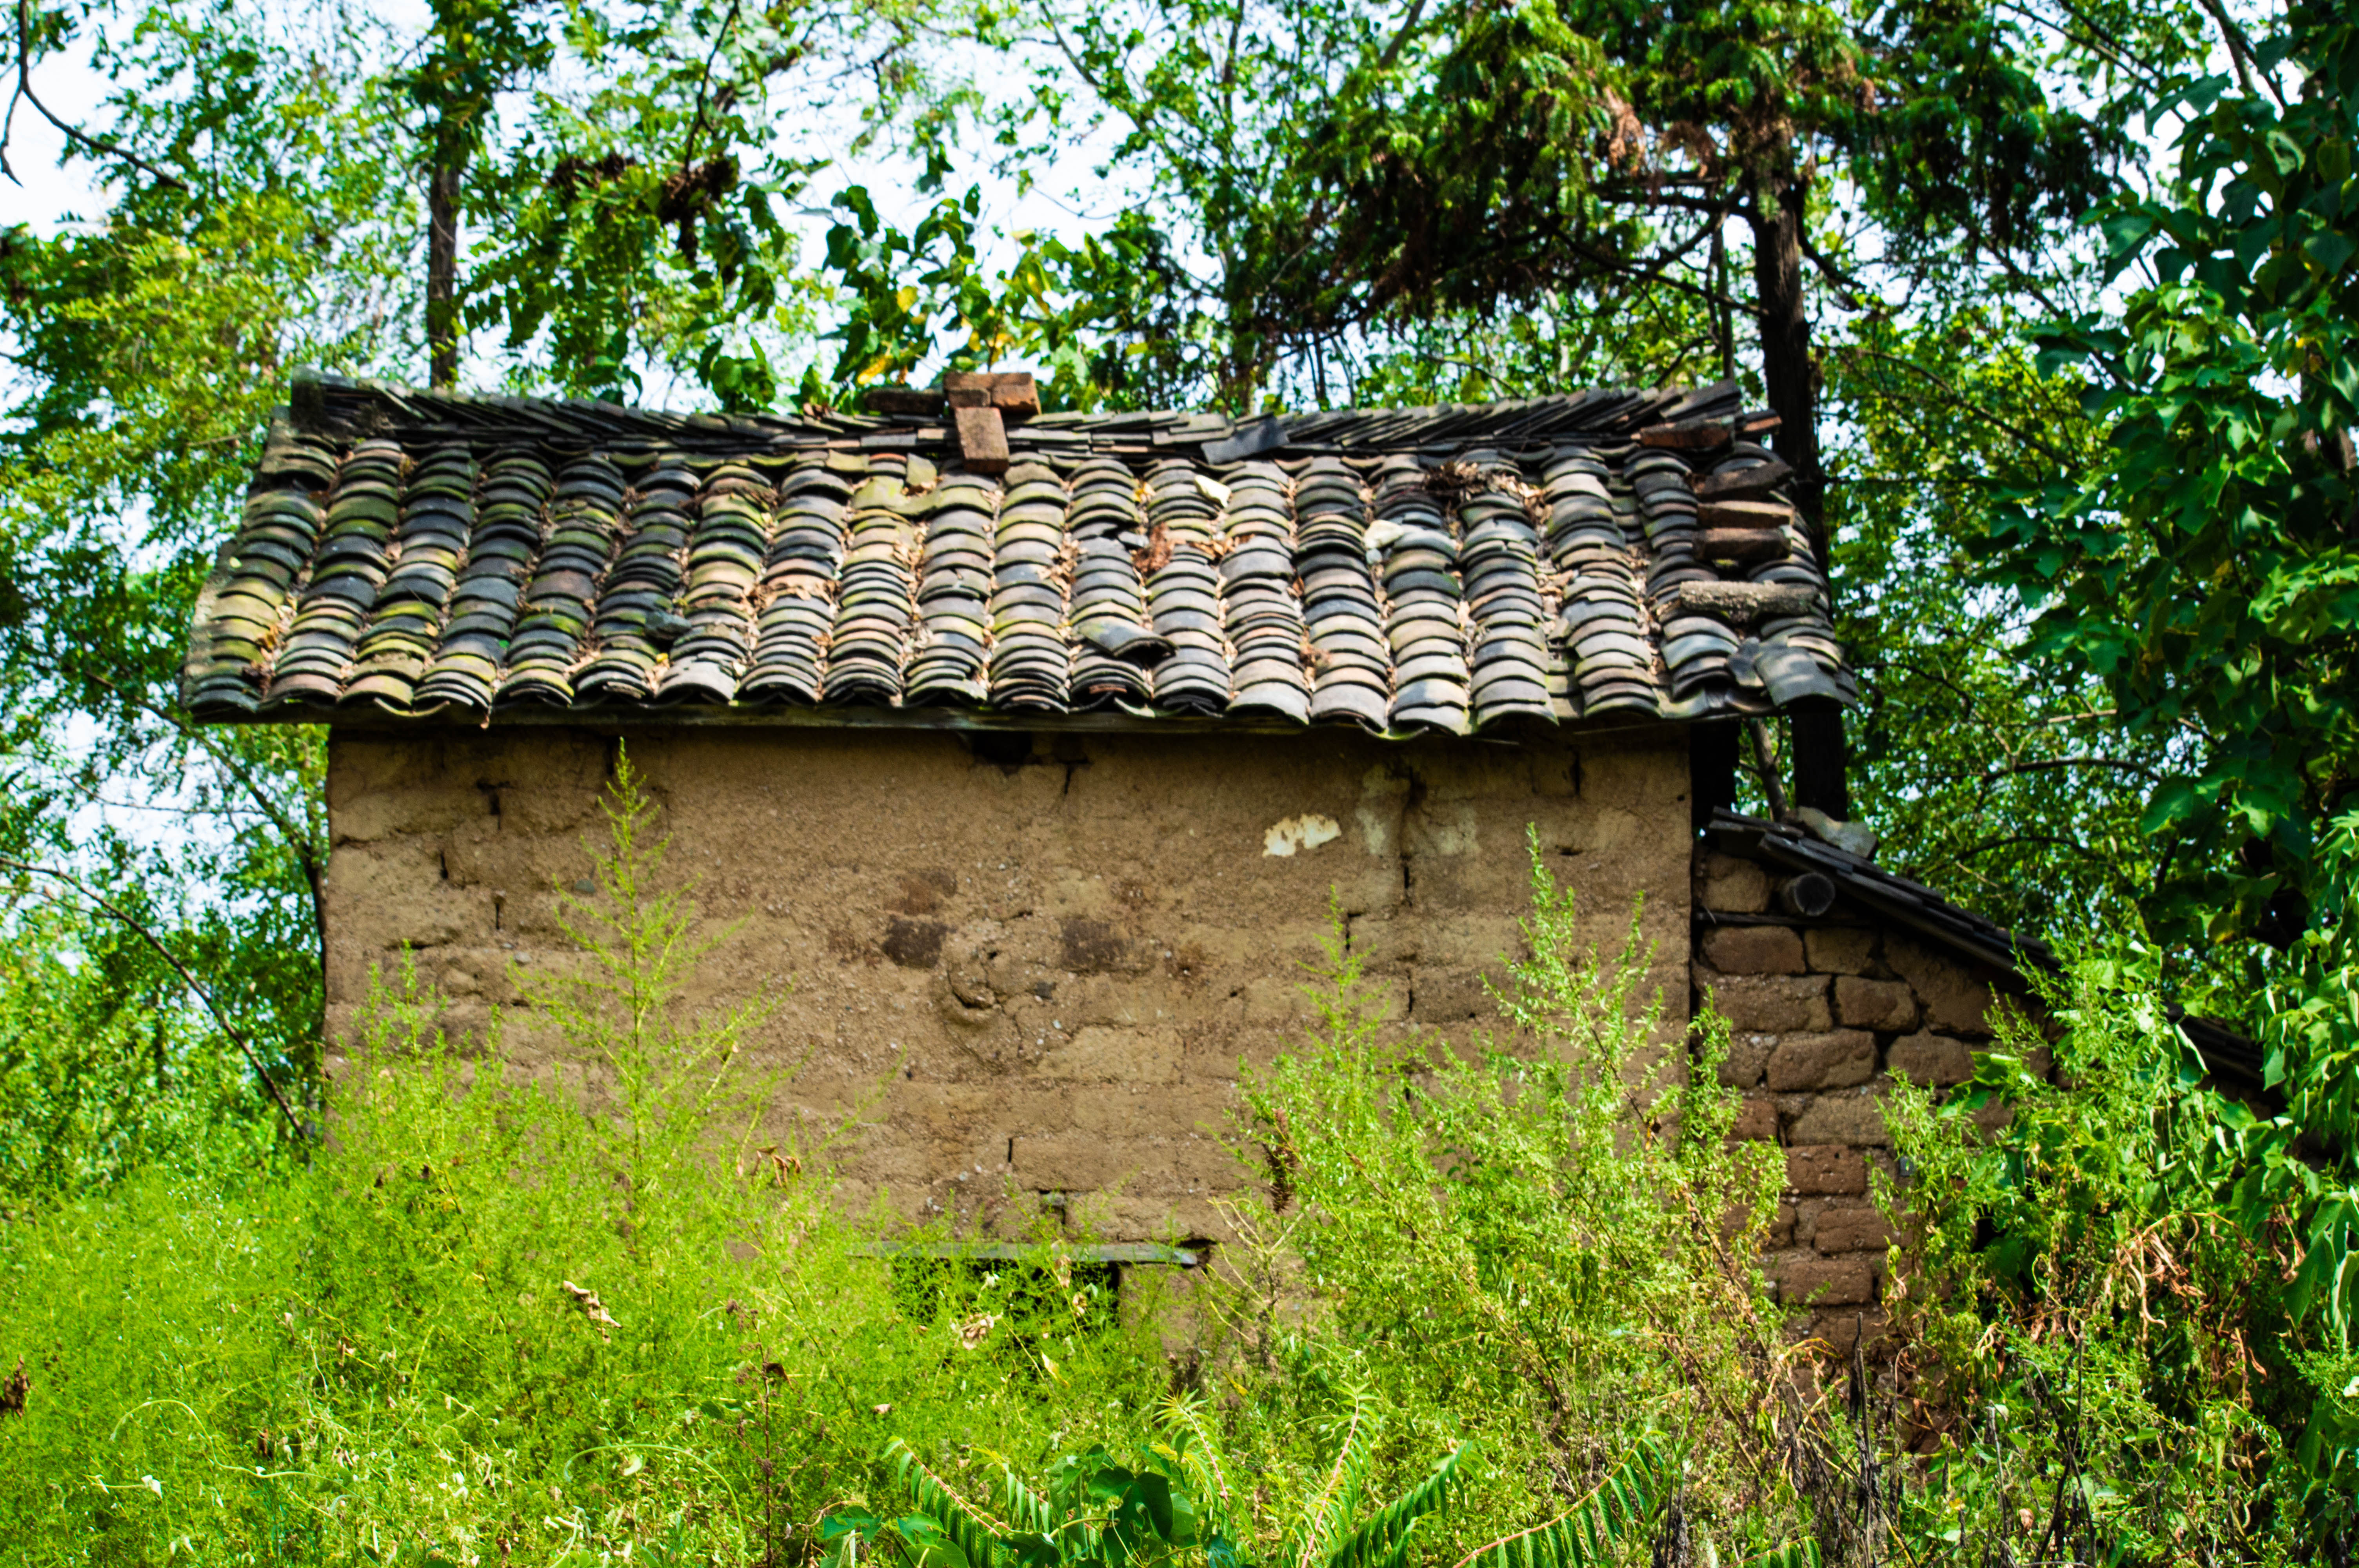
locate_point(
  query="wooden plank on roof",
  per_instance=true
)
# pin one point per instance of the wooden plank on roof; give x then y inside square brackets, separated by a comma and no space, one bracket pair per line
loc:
[981,440]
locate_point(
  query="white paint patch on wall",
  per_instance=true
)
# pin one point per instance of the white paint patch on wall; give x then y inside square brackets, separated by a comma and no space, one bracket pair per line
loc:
[1306,831]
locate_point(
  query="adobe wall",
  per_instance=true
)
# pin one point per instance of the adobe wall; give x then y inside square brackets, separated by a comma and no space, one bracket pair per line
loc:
[1824,1015]
[1051,969]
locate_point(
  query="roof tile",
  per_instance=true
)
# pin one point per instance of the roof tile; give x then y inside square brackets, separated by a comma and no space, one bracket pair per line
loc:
[414,555]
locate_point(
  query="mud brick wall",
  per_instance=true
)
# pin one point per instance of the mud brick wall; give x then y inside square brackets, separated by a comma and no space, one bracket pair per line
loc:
[1825,1014]
[1048,964]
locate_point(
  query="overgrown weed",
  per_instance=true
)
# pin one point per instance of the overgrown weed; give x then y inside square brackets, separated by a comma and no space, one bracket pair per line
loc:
[613,1312]
[2097,1353]
[563,1317]
[1542,1241]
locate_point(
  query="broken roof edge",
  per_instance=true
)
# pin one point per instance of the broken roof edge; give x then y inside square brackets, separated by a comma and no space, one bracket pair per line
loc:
[1788,846]
[354,408]
[2237,1062]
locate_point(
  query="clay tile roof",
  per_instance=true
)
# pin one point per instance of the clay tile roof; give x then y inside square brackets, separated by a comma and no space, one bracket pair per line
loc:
[1789,848]
[1605,555]
[2236,1062]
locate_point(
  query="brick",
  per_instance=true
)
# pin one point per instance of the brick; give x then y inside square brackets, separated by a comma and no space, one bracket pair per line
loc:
[1955,999]
[1840,1328]
[1826,1169]
[1883,1005]
[1757,1120]
[1827,1282]
[1732,886]
[1747,1059]
[1843,950]
[1754,950]
[1933,1060]
[1775,1004]
[1832,1059]
[1099,1054]
[1851,1230]
[1854,1119]
[1781,1228]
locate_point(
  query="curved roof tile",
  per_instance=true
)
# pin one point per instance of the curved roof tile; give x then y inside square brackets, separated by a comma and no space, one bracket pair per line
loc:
[410,556]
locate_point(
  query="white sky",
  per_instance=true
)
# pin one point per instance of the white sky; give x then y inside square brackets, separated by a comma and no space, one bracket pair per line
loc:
[47,194]
[1069,200]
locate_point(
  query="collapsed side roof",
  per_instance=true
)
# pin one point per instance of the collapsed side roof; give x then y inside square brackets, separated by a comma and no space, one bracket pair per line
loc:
[1611,555]
[1861,891]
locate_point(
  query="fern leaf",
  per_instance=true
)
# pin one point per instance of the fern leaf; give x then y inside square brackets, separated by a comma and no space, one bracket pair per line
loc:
[1383,1539]
[1329,1512]
[970,1530]
[1583,1535]
[1200,1455]
[1802,1554]
[1027,1509]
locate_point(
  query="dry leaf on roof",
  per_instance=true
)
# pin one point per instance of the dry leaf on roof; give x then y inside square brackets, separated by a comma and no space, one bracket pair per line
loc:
[1158,553]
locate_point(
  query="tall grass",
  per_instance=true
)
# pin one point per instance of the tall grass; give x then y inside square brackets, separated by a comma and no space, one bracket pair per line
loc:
[1542,1241]
[567,1318]
[613,1312]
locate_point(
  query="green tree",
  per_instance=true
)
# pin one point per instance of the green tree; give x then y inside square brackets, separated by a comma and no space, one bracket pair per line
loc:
[592,190]
[259,226]
[2202,567]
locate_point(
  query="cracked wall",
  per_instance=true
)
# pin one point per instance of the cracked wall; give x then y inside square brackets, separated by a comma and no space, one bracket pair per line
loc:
[1040,961]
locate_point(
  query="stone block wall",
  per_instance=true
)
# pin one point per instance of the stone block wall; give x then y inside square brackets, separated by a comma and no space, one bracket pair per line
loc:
[1824,1015]
[1040,966]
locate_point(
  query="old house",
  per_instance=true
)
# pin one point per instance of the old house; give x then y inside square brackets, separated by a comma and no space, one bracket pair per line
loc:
[1028,748]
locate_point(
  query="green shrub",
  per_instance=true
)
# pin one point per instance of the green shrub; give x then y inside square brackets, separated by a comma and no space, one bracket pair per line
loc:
[1171,1504]
[2100,1345]
[569,1318]
[1544,1243]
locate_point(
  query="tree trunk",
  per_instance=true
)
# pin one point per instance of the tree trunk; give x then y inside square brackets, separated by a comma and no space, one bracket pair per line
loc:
[442,257]
[1791,381]
[1786,370]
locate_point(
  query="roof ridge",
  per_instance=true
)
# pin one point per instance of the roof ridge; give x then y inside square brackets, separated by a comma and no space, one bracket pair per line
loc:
[326,403]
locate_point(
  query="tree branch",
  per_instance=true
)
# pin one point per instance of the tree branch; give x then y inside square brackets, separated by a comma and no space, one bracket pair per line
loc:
[1847,289]
[306,854]
[2122,762]
[1959,399]
[2030,286]
[2088,38]
[139,928]
[696,123]
[2056,839]
[2240,49]
[1392,50]
[24,89]
[1613,265]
